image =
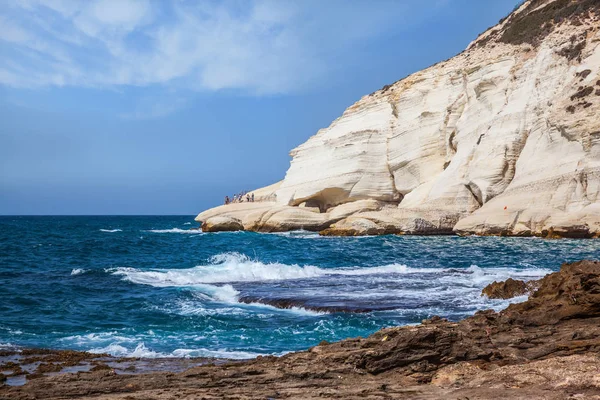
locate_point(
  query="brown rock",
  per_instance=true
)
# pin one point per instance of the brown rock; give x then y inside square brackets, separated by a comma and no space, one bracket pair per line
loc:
[509,288]
[573,292]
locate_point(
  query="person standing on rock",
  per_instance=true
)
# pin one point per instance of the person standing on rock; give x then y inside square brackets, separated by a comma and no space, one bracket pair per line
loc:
[247,198]
[253,197]
[226,199]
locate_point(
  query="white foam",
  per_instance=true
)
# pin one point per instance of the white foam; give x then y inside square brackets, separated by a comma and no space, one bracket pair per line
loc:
[299,234]
[235,267]
[77,271]
[91,339]
[117,350]
[294,310]
[225,293]
[141,351]
[487,275]
[176,230]
[202,352]
[111,230]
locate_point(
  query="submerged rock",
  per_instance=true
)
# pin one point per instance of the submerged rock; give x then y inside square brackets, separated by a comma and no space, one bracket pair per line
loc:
[307,305]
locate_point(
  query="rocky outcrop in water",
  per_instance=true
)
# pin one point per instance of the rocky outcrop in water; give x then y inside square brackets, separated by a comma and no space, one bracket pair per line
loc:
[544,348]
[337,307]
[502,139]
[509,288]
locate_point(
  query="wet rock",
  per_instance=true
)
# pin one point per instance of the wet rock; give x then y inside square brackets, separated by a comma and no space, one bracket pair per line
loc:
[509,288]
[44,368]
[571,293]
[305,304]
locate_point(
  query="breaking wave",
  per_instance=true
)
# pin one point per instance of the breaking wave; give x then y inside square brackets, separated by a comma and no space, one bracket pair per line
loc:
[119,344]
[111,230]
[176,230]
[235,267]
[141,351]
[77,271]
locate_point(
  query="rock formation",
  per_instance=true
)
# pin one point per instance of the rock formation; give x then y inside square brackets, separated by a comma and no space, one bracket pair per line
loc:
[509,288]
[502,139]
[544,348]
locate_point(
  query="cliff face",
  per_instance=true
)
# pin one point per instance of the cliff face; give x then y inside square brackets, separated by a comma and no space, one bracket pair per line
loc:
[504,138]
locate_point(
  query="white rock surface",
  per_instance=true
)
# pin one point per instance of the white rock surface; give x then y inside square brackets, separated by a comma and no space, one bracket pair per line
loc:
[221,224]
[501,139]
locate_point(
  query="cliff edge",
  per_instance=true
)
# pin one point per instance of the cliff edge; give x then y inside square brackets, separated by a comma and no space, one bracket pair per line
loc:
[502,139]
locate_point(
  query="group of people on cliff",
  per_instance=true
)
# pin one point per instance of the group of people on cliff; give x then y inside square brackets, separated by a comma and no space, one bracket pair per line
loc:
[239,198]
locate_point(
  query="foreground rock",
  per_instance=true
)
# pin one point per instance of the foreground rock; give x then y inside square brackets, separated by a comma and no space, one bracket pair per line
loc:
[502,139]
[544,348]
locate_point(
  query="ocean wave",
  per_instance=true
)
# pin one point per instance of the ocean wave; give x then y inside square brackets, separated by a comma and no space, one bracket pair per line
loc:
[111,230]
[235,267]
[301,311]
[225,293]
[176,230]
[91,339]
[487,275]
[77,271]
[299,234]
[141,351]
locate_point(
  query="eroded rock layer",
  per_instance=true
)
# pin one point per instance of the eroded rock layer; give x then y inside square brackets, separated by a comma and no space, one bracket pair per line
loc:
[502,139]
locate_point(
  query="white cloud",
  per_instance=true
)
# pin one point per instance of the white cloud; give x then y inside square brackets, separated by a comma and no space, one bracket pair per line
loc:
[112,18]
[256,47]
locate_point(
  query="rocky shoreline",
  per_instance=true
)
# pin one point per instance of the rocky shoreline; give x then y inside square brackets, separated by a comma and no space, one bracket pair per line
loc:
[544,348]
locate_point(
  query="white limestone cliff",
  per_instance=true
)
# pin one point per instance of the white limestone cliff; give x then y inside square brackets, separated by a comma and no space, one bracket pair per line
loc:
[502,139]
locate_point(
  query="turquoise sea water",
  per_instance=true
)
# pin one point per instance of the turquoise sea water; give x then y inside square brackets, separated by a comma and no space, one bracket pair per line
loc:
[147,286]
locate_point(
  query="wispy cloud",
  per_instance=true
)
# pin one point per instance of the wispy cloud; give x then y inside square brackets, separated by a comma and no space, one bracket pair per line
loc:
[256,47]
[155,107]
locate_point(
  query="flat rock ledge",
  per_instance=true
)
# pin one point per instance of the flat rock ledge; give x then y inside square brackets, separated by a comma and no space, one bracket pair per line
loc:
[364,218]
[544,348]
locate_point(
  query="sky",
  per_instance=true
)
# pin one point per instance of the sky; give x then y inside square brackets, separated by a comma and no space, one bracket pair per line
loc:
[164,107]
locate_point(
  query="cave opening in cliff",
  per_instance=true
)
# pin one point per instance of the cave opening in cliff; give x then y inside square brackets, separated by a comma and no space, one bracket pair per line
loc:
[327,199]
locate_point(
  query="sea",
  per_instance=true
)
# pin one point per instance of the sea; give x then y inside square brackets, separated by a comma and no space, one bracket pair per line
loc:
[153,286]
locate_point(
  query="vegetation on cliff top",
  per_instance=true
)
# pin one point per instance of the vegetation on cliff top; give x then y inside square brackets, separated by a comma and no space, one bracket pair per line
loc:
[533,24]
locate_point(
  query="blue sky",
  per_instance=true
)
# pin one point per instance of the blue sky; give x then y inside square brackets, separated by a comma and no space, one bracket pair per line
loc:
[164,107]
